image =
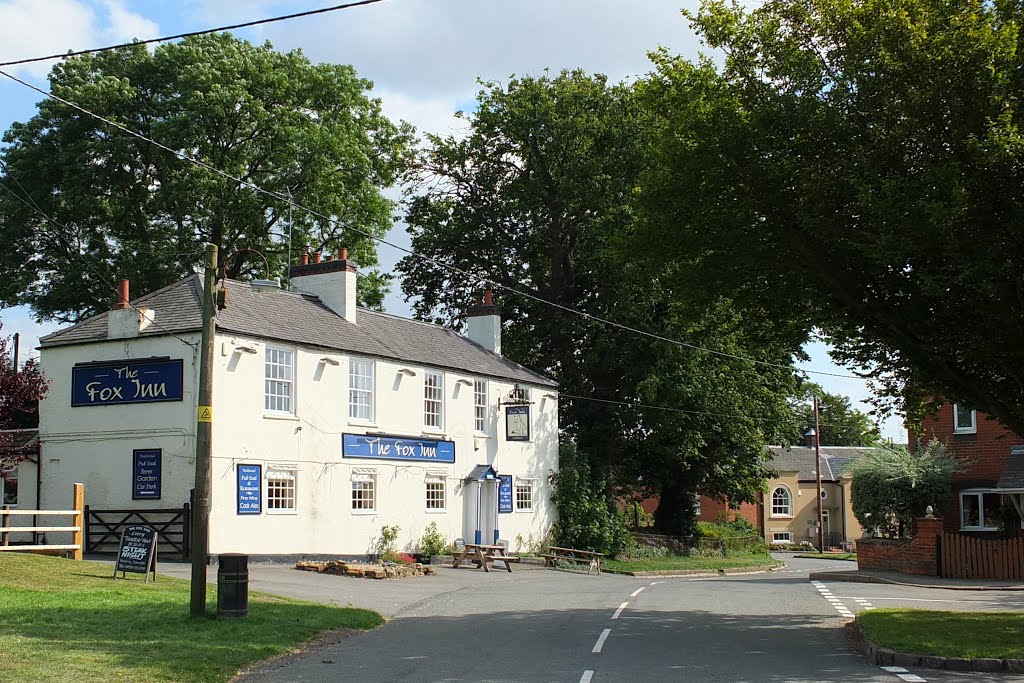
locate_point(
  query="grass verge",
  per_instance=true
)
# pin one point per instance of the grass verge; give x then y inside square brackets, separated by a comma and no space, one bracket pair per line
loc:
[947,634]
[684,563]
[70,621]
[852,557]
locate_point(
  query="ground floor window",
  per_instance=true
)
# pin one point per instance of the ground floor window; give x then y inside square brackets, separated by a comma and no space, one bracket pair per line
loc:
[364,493]
[9,487]
[979,510]
[524,495]
[435,494]
[281,490]
[782,537]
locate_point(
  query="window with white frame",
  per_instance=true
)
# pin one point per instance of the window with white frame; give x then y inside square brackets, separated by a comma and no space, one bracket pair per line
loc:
[364,492]
[9,487]
[433,399]
[279,374]
[965,420]
[360,389]
[524,495]
[435,494]
[281,490]
[782,502]
[782,537]
[979,510]
[480,406]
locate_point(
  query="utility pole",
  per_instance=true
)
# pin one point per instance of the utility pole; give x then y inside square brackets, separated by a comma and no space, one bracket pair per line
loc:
[17,344]
[817,474]
[204,428]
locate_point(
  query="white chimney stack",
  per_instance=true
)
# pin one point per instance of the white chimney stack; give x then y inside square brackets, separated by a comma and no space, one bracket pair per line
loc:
[484,324]
[332,280]
[125,321]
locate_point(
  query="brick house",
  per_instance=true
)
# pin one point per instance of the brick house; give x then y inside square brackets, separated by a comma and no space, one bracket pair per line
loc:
[995,473]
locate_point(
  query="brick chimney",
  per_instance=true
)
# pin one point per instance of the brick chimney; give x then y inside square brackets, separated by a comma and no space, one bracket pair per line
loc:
[333,281]
[125,321]
[484,323]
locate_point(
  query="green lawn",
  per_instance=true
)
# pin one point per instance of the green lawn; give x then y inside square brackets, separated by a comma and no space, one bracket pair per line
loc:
[947,634]
[682,563]
[62,620]
[829,556]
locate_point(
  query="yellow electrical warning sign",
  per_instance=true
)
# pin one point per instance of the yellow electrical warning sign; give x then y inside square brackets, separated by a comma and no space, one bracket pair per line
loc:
[206,413]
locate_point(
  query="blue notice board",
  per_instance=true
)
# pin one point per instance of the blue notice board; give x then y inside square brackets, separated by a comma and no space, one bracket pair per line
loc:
[146,473]
[250,489]
[504,493]
[396,448]
[128,381]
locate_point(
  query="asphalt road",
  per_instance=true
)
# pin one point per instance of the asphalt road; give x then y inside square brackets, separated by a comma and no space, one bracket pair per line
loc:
[556,626]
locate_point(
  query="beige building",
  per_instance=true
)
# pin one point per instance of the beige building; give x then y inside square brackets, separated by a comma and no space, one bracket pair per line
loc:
[790,512]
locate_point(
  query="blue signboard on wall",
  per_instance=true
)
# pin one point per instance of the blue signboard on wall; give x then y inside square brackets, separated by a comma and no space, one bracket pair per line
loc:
[504,493]
[396,448]
[146,473]
[250,489]
[129,381]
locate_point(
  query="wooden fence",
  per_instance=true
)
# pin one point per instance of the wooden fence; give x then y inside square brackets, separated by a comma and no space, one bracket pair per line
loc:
[75,528]
[965,557]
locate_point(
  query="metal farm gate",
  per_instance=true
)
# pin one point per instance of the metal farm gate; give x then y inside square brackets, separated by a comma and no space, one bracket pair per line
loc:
[173,529]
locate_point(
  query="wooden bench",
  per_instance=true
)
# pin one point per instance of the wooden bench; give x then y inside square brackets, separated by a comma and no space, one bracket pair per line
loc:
[555,553]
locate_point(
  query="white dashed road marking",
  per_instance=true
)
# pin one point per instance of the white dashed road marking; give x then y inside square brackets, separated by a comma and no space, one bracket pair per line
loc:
[833,600]
[587,675]
[619,610]
[637,591]
[903,674]
[600,640]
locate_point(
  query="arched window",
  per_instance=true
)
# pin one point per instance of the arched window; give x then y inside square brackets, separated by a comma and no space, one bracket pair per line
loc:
[782,502]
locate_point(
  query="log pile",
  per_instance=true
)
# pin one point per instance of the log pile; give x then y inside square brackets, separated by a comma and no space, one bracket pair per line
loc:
[367,571]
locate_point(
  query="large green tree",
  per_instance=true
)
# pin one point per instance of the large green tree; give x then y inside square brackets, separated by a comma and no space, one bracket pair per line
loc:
[305,131]
[857,165]
[840,423]
[538,196]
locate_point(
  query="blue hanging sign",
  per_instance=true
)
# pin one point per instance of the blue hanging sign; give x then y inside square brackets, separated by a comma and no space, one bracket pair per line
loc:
[146,473]
[504,493]
[396,448]
[250,489]
[130,381]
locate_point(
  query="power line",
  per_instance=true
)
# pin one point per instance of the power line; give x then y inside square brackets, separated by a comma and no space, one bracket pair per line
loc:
[247,24]
[426,259]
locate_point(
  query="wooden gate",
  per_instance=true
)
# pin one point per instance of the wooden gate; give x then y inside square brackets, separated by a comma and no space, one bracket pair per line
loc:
[965,557]
[173,529]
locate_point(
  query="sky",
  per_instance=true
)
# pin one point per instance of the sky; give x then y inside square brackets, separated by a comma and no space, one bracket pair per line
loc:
[424,57]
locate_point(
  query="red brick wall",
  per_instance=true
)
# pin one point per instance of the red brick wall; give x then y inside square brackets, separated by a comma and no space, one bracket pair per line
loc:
[914,556]
[710,508]
[988,451]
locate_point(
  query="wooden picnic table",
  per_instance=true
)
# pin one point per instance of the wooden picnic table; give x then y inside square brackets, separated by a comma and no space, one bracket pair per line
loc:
[590,558]
[483,554]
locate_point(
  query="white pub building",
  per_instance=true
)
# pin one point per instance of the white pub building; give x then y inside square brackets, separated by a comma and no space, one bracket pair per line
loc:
[329,421]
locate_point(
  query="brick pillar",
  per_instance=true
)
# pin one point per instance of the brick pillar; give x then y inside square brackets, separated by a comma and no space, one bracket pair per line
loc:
[925,545]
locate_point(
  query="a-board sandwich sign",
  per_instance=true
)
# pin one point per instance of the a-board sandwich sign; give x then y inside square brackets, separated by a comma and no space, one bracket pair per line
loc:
[137,551]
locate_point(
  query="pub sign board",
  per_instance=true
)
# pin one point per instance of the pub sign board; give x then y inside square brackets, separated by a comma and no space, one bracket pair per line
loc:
[146,466]
[504,493]
[128,381]
[250,489]
[374,447]
[137,551]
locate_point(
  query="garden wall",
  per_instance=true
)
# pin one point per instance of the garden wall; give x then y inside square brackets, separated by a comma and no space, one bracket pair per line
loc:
[915,555]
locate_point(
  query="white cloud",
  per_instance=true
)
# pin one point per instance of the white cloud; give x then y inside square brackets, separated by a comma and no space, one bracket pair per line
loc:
[428,114]
[125,25]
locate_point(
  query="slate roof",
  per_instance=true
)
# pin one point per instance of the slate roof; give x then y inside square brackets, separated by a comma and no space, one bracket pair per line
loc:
[303,319]
[1013,473]
[800,459]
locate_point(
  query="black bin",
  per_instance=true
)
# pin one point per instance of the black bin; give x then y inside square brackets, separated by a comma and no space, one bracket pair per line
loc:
[233,586]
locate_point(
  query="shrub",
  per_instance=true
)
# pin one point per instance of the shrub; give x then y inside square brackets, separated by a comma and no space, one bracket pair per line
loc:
[397,558]
[433,541]
[892,486]
[588,518]
[385,543]
[807,546]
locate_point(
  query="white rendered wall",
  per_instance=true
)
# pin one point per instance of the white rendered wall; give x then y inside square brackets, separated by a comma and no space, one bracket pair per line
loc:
[324,522]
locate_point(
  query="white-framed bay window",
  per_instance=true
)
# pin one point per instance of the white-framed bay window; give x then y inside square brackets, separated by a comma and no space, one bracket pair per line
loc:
[360,389]
[965,420]
[480,406]
[281,490]
[433,399]
[979,510]
[364,492]
[279,380]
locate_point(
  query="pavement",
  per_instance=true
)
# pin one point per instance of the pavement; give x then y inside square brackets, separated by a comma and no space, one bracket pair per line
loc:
[895,578]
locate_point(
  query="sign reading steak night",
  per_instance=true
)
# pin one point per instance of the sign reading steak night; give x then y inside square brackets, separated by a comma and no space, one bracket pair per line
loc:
[129,381]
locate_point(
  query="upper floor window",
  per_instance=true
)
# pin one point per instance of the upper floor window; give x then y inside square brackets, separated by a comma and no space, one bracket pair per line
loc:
[433,399]
[782,502]
[360,389]
[965,420]
[279,385]
[480,406]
